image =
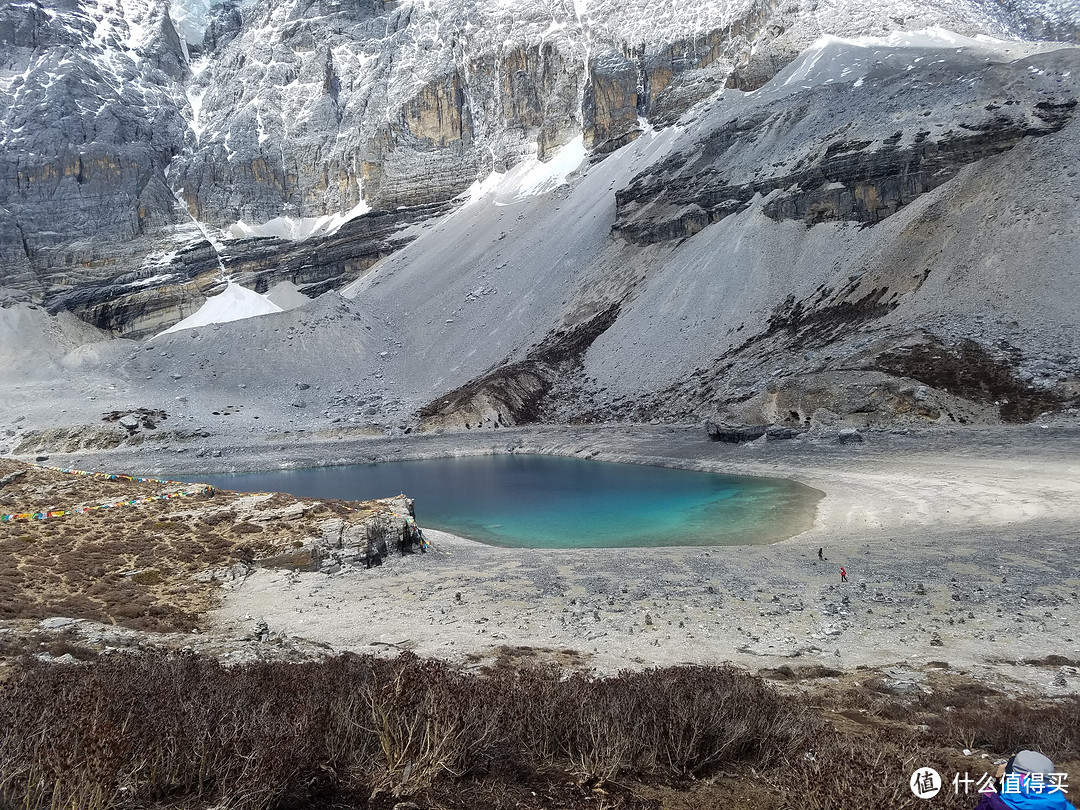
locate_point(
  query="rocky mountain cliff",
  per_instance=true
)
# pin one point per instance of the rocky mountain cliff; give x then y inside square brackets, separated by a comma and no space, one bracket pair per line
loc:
[561,211]
[882,233]
[134,131]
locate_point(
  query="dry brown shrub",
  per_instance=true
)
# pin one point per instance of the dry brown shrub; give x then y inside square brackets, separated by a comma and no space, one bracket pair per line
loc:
[217,518]
[184,729]
[148,577]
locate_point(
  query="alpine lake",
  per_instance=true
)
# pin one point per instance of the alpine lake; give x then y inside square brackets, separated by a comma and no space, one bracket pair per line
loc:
[537,501]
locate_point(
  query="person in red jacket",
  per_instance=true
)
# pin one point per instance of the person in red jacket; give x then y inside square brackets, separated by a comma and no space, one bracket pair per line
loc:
[843,574]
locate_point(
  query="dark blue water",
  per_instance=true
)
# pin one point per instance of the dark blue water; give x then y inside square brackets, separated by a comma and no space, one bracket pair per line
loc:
[555,502]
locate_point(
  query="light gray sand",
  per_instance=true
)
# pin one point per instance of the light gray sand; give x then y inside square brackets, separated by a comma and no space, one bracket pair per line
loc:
[959,546]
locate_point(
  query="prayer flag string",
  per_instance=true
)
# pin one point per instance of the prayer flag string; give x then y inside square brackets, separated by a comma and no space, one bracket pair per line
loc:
[193,489]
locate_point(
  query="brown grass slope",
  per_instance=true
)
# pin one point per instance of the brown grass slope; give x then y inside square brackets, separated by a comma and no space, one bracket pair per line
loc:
[149,566]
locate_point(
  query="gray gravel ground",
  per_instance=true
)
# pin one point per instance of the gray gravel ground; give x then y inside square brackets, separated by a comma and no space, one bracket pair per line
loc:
[960,547]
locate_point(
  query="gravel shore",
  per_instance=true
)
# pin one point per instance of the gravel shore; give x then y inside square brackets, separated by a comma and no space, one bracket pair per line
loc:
[959,548]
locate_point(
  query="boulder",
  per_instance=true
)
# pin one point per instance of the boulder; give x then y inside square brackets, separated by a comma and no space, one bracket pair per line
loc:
[779,432]
[850,436]
[734,434]
[57,623]
[7,479]
[261,631]
[131,422]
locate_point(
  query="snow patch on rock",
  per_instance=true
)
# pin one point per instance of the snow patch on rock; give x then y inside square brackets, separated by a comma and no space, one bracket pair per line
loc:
[530,177]
[295,229]
[234,304]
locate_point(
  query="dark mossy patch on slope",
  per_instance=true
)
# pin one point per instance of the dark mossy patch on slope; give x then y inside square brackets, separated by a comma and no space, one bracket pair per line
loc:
[516,391]
[968,369]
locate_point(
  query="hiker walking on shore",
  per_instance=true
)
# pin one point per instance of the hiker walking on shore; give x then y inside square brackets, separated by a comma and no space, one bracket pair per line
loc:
[843,574]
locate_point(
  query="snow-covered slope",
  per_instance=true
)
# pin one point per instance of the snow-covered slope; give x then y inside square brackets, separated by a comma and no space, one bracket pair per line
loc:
[234,303]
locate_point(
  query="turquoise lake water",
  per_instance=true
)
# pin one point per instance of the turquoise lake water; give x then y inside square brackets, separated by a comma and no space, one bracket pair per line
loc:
[537,501]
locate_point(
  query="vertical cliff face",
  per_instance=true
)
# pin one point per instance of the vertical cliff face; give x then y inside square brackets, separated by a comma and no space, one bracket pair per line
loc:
[89,127]
[306,108]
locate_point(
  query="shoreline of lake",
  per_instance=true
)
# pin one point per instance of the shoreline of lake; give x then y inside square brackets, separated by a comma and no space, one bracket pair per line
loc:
[959,547]
[526,500]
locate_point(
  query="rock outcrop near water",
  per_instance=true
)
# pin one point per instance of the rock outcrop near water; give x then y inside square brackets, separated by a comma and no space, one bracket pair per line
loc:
[514,394]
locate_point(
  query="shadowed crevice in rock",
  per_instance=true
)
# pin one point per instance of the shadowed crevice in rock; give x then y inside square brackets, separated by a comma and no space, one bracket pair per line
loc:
[514,393]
